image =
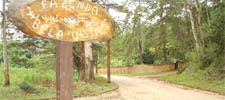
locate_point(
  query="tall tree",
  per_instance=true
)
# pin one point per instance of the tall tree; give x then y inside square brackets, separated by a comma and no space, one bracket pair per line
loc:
[199,21]
[6,66]
[140,35]
[78,56]
[163,33]
[193,25]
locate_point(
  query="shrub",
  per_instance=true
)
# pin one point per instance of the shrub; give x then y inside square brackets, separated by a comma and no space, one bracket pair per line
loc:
[26,87]
[148,57]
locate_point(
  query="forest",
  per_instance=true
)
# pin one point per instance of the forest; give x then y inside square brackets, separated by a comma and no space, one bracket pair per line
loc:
[146,32]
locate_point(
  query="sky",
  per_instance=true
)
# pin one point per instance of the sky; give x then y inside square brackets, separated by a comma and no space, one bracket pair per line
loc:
[0,18]
[1,5]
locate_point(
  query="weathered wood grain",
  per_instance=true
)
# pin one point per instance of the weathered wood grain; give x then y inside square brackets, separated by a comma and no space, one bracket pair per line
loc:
[65,20]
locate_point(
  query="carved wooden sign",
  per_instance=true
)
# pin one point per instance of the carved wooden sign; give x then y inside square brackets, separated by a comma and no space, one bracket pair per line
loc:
[65,20]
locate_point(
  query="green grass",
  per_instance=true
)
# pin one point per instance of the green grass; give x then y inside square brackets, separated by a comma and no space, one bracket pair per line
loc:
[44,83]
[142,74]
[98,86]
[197,81]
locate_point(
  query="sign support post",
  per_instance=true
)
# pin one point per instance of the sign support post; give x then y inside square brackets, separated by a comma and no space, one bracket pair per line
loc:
[108,63]
[64,71]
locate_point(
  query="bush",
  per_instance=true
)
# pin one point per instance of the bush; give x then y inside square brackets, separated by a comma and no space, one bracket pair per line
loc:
[45,61]
[26,87]
[148,57]
[182,69]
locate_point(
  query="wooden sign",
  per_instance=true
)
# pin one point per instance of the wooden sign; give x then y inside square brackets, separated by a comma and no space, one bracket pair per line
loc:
[65,20]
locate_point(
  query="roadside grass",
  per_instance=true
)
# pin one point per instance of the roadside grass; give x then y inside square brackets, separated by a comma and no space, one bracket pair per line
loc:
[197,81]
[43,81]
[142,74]
[98,86]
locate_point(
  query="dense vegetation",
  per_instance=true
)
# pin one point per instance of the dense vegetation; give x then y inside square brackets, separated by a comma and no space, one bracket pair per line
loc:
[34,83]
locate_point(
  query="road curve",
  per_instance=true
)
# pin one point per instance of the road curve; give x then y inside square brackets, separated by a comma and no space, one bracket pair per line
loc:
[137,88]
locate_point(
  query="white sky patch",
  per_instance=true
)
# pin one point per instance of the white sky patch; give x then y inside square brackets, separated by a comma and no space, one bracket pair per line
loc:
[117,15]
[120,2]
[1,2]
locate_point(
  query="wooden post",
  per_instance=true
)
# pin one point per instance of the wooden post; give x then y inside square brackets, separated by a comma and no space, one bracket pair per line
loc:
[64,71]
[108,63]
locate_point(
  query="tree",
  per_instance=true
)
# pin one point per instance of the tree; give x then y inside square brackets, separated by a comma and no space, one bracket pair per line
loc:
[89,70]
[193,26]
[79,60]
[82,54]
[6,66]
[140,35]
[198,10]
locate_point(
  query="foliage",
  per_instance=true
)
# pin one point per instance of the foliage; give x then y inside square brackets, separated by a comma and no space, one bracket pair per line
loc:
[18,56]
[42,81]
[26,87]
[211,56]
[148,57]
[21,55]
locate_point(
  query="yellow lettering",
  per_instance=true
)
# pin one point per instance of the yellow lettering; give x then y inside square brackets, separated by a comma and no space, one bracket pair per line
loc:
[91,34]
[53,3]
[75,38]
[80,5]
[88,7]
[59,34]
[71,3]
[36,23]
[95,10]
[49,33]
[86,32]
[98,32]
[43,3]
[81,34]
[43,28]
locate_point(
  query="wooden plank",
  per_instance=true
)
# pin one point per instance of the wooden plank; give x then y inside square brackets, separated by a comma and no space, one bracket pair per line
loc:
[65,20]
[108,63]
[64,70]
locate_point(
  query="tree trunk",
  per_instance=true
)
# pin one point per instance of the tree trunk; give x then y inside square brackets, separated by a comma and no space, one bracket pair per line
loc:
[81,65]
[96,67]
[199,21]
[140,41]
[89,71]
[186,18]
[163,34]
[6,66]
[84,63]
[207,10]
[108,63]
[193,29]
[164,47]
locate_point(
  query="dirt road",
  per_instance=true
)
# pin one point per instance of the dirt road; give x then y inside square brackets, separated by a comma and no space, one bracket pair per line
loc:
[142,88]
